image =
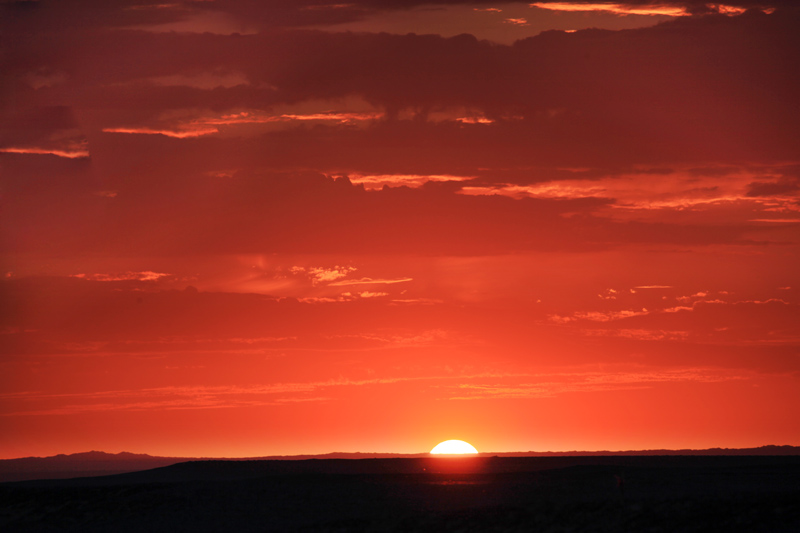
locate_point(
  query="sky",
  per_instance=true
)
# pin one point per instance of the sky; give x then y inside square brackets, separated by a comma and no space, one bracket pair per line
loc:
[236,228]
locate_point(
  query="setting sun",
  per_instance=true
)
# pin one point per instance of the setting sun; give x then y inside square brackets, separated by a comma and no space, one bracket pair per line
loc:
[454,447]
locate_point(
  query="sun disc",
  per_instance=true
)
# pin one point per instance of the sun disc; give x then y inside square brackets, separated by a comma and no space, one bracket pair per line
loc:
[453,447]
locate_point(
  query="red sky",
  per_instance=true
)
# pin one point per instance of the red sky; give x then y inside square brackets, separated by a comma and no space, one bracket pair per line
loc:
[240,228]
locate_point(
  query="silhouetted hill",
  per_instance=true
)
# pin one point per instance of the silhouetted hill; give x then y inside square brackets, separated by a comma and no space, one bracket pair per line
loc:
[96,463]
[572,493]
[761,450]
[80,465]
[218,470]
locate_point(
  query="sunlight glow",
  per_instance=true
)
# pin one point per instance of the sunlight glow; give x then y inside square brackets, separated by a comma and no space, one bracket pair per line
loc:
[453,447]
[617,9]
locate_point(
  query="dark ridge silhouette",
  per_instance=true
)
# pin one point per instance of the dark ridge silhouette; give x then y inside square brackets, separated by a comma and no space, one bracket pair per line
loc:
[80,465]
[233,470]
[97,463]
[578,493]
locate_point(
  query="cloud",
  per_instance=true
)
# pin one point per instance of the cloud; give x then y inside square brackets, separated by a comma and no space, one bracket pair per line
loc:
[35,16]
[639,334]
[693,296]
[474,120]
[618,9]
[417,301]
[421,338]
[198,132]
[767,322]
[194,397]
[202,80]
[369,281]
[552,385]
[209,125]
[368,294]
[147,275]
[785,186]
[324,215]
[678,309]
[42,130]
[323,275]
[642,110]
[598,316]
[69,154]
[678,189]
[372,182]
[461,387]
[342,118]
[600,168]
[666,8]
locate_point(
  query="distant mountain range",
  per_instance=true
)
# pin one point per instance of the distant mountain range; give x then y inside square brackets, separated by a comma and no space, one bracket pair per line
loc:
[94,463]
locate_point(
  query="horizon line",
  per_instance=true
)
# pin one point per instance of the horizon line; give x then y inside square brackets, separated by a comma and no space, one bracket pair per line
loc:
[415,454]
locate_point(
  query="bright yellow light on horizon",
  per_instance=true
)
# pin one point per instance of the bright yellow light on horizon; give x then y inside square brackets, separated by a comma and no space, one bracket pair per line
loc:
[453,447]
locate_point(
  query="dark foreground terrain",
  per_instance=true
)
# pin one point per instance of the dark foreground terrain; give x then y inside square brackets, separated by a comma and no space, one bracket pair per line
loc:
[656,493]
